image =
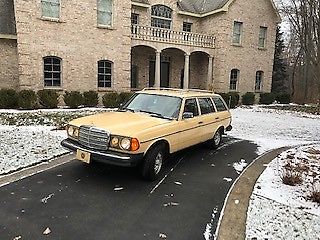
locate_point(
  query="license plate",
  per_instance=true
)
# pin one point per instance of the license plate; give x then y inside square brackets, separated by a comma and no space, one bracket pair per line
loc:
[83,156]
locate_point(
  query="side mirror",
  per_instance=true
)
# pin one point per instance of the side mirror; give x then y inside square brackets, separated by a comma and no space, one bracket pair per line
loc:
[187,115]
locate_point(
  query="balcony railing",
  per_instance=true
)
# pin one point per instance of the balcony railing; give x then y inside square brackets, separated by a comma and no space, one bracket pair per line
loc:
[169,36]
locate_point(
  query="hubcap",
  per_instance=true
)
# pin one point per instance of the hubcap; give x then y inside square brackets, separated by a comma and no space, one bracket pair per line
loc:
[158,163]
[217,138]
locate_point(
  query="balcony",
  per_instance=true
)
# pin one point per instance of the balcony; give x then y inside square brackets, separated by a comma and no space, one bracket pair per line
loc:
[148,33]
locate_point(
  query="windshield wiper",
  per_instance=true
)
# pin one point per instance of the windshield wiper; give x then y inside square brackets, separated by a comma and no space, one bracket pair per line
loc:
[153,114]
[125,110]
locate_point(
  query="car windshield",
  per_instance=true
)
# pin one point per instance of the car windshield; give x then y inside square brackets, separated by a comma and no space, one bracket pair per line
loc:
[155,105]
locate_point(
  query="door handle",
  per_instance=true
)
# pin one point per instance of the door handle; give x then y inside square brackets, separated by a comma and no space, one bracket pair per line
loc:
[200,122]
[217,118]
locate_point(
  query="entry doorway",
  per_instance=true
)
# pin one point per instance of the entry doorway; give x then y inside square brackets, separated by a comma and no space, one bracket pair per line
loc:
[164,72]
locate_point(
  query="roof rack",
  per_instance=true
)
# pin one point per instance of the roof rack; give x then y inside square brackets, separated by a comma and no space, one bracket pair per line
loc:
[178,90]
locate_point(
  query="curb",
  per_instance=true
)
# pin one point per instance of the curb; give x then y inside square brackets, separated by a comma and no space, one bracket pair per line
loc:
[232,222]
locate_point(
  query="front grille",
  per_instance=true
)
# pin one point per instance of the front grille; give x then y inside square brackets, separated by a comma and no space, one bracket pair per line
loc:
[93,137]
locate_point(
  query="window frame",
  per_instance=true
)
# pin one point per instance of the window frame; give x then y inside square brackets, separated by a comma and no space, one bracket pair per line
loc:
[184,105]
[263,37]
[232,79]
[137,18]
[52,64]
[235,34]
[161,18]
[186,25]
[100,11]
[50,17]
[261,75]
[104,61]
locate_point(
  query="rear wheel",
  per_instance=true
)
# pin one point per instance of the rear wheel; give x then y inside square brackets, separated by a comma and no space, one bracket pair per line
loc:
[153,161]
[216,140]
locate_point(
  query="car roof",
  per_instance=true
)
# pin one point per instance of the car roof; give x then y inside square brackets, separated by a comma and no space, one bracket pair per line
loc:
[177,92]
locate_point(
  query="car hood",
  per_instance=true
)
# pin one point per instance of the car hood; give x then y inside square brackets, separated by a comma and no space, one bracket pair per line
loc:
[121,123]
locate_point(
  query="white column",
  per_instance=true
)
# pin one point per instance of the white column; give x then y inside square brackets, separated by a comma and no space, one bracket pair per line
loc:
[210,73]
[157,70]
[186,71]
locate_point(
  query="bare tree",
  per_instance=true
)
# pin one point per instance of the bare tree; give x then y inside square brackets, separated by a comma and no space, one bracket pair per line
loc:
[304,18]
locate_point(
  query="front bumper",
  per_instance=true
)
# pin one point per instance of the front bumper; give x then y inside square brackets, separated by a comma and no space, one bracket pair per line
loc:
[109,157]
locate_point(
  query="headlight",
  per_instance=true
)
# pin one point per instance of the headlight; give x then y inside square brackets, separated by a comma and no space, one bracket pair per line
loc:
[73,131]
[114,142]
[125,143]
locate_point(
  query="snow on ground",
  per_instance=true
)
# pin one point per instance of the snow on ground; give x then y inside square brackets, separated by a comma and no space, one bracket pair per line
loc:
[23,146]
[279,211]
[272,129]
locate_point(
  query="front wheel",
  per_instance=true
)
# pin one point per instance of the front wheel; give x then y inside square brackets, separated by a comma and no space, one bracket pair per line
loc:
[153,161]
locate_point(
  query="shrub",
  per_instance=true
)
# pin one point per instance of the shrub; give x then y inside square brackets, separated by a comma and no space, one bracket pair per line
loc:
[315,195]
[124,97]
[90,99]
[27,99]
[8,98]
[73,99]
[48,98]
[267,98]
[231,98]
[111,100]
[248,98]
[291,175]
[283,98]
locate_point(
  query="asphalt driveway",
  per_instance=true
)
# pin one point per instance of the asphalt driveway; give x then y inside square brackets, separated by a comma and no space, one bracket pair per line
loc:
[78,201]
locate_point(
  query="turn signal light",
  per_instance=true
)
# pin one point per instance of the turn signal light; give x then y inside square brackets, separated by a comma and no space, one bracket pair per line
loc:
[134,144]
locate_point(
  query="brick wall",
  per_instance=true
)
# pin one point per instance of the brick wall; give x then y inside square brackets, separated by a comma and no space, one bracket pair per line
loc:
[8,64]
[76,39]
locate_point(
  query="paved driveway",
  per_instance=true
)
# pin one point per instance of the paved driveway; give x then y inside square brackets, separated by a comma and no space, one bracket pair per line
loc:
[82,202]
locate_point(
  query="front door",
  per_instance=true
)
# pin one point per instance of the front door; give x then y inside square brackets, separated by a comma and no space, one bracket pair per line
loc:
[164,73]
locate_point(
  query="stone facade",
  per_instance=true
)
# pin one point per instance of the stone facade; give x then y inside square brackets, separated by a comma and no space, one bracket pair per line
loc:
[80,43]
[8,63]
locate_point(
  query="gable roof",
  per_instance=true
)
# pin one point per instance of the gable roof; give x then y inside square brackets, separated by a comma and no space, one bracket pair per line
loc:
[7,19]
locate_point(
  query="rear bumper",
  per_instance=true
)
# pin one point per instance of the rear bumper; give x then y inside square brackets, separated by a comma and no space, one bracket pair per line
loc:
[109,157]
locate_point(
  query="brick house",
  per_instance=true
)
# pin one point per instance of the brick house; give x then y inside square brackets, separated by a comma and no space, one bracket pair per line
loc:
[111,45]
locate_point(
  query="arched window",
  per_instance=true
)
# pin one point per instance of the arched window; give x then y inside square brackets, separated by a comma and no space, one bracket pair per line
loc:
[104,73]
[259,79]
[161,16]
[234,77]
[52,71]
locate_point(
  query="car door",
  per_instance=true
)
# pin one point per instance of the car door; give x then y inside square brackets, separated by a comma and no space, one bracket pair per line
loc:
[189,133]
[209,118]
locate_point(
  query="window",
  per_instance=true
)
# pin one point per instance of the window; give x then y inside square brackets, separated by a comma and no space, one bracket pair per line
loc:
[105,12]
[104,73]
[262,37]
[206,106]
[187,27]
[50,8]
[161,16]
[234,76]
[259,78]
[52,71]
[237,32]
[220,105]
[191,106]
[134,19]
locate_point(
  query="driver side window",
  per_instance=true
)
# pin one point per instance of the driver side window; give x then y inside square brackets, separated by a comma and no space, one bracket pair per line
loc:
[191,105]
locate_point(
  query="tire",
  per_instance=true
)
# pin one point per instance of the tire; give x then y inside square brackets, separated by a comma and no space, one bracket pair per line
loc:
[153,161]
[216,140]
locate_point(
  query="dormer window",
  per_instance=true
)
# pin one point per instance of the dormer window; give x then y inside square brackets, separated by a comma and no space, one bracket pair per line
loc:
[161,16]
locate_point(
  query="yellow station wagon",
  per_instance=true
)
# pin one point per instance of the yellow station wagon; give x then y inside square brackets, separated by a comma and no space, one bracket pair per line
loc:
[150,125]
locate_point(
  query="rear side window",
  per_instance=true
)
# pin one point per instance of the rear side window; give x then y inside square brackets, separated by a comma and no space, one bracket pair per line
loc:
[219,104]
[191,106]
[206,105]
